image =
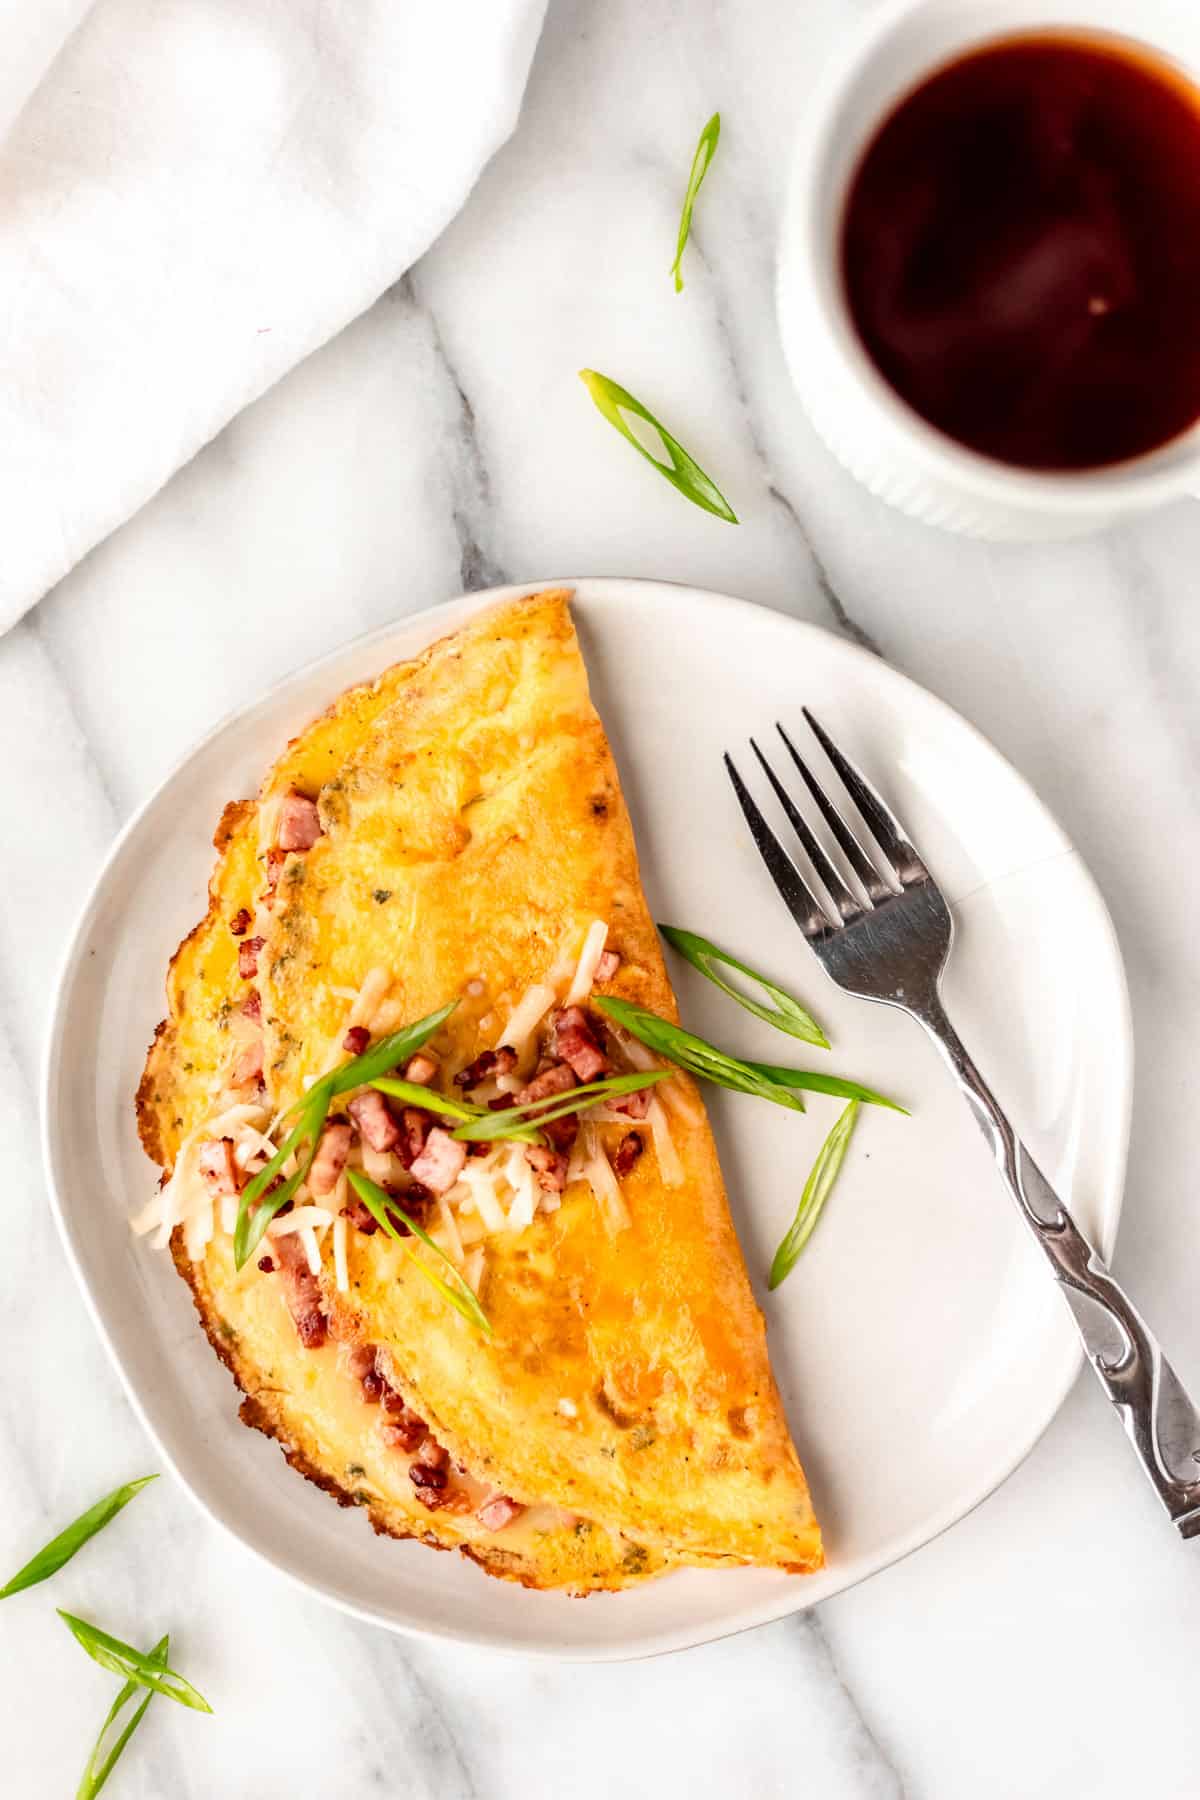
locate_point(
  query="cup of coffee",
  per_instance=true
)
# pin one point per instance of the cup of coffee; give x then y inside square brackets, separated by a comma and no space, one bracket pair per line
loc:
[989,285]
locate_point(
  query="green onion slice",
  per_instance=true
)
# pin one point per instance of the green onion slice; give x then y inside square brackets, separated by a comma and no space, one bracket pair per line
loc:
[812,1200]
[786,1012]
[681,470]
[413,1094]
[826,1084]
[377,1060]
[135,1666]
[705,151]
[62,1548]
[692,1053]
[380,1204]
[555,1106]
[97,1771]
[250,1226]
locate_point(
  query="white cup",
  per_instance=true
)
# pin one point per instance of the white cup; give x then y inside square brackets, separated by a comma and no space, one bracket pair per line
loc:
[866,424]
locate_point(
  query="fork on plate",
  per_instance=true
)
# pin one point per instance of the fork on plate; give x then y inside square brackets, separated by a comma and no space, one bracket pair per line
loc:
[886,937]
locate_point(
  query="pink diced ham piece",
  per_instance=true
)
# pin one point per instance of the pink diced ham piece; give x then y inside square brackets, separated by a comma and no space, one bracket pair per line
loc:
[299,822]
[576,1043]
[498,1512]
[608,965]
[549,1166]
[215,1162]
[441,1161]
[330,1159]
[249,1064]
[375,1119]
[248,951]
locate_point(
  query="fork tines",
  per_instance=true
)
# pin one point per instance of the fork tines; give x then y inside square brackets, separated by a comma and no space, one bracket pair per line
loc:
[843,905]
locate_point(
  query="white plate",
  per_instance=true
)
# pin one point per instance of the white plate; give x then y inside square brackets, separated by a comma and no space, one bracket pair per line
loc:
[920,1345]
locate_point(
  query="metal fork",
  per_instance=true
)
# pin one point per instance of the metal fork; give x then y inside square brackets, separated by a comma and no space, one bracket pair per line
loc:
[888,941]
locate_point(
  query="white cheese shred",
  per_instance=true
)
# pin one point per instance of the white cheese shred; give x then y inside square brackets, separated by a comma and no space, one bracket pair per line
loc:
[598,1173]
[589,957]
[526,1016]
[669,1165]
[340,1270]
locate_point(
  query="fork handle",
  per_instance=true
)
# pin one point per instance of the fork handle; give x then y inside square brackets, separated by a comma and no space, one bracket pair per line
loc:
[1160,1421]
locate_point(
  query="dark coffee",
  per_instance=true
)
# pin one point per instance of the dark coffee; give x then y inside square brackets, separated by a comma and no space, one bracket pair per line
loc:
[1021,251]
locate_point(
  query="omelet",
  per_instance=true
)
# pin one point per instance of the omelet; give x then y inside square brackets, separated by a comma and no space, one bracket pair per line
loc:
[582,1398]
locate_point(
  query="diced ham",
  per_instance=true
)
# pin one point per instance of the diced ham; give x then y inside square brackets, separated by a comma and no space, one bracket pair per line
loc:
[302,1291]
[432,1454]
[299,822]
[606,968]
[559,1078]
[330,1158]
[362,1360]
[416,1201]
[248,951]
[215,1162]
[576,1043]
[562,1132]
[252,1005]
[359,1217]
[239,925]
[415,1127]
[428,1482]
[498,1512]
[402,1432]
[628,1151]
[372,1386]
[375,1119]
[356,1040]
[634,1106]
[421,1068]
[487,1064]
[550,1167]
[275,862]
[249,1064]
[441,1161]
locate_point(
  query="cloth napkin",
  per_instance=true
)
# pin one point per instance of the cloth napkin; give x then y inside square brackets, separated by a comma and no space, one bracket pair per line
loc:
[194,194]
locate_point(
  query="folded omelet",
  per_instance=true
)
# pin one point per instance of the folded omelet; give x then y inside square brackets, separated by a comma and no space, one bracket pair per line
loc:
[455,831]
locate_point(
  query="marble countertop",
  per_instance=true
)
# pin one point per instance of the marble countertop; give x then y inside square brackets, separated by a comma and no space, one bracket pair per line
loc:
[1044,1646]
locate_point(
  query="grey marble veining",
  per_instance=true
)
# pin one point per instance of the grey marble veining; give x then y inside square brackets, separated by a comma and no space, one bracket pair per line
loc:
[444,441]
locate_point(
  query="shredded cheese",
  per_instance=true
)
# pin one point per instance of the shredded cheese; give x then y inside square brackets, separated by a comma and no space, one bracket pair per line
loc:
[525,1193]
[669,1165]
[473,1268]
[301,1218]
[312,1249]
[604,1184]
[526,1016]
[340,1270]
[589,956]
[454,1244]
[479,1177]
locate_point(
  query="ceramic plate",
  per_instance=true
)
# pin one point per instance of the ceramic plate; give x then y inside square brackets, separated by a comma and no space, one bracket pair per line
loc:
[920,1346]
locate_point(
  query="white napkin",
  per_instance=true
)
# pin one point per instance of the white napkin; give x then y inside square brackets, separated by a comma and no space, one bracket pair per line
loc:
[193,195]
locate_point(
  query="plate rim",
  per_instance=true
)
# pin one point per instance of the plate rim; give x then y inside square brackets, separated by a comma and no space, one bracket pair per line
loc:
[668,1639]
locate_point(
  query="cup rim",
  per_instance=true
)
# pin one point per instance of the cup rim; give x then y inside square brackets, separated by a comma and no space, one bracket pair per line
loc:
[808,282]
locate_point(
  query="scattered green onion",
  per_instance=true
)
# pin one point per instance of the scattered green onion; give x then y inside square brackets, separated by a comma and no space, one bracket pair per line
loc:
[123,1659]
[62,1548]
[786,1014]
[413,1094]
[812,1200]
[97,1772]
[380,1204]
[313,1107]
[681,470]
[692,1053]
[251,1225]
[555,1106]
[826,1084]
[705,151]
[379,1059]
